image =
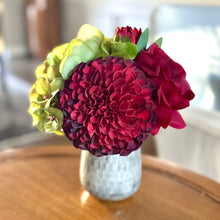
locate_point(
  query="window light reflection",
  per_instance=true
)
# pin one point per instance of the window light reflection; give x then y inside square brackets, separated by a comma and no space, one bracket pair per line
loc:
[84,196]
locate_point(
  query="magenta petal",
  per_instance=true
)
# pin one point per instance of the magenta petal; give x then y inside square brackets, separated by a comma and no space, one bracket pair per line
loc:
[177,121]
[144,115]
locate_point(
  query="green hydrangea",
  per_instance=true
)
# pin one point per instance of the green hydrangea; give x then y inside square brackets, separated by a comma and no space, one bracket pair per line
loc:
[89,44]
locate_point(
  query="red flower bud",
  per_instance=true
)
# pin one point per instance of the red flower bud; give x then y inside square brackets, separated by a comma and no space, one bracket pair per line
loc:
[132,33]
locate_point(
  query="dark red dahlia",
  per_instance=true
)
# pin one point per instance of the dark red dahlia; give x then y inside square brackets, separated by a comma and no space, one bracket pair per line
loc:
[107,106]
[133,33]
[172,91]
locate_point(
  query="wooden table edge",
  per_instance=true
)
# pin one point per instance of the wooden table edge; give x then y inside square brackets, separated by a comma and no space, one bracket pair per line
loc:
[203,185]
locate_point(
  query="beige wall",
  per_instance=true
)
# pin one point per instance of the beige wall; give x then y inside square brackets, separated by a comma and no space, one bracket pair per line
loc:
[103,14]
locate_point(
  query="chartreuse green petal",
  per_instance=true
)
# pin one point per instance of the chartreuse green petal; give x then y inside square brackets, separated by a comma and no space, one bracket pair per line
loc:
[57,54]
[33,109]
[41,70]
[52,121]
[53,72]
[84,48]
[42,86]
[91,36]
[126,50]
[43,98]
[81,52]
[57,84]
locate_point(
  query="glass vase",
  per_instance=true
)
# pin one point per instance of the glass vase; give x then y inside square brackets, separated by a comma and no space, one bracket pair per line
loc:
[111,177]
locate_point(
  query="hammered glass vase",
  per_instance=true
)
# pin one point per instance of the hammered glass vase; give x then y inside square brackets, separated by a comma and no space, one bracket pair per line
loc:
[111,177]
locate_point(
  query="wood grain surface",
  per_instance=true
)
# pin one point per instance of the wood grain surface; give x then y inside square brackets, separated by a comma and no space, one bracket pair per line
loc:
[43,183]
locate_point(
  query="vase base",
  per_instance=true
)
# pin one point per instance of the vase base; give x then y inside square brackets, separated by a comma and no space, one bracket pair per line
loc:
[111,178]
[106,194]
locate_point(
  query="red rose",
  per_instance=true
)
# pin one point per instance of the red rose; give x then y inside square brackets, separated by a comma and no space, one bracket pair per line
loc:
[172,91]
[133,34]
[107,106]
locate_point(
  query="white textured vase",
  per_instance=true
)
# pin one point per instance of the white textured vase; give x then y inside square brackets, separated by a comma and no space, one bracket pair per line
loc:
[112,177]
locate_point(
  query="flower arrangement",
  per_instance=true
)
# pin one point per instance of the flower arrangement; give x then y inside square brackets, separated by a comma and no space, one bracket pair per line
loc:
[107,95]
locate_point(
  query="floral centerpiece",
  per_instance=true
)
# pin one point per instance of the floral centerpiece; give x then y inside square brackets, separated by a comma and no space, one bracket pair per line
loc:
[108,94]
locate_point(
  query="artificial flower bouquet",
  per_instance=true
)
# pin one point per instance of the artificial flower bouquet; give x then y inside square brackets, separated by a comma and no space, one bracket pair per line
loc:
[107,95]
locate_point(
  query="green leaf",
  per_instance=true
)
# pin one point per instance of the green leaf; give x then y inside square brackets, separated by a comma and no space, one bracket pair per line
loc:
[159,42]
[142,42]
[126,50]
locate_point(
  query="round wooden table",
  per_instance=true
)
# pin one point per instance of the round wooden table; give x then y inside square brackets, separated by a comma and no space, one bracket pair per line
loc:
[43,183]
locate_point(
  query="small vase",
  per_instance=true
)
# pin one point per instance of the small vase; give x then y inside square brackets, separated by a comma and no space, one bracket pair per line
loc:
[112,177]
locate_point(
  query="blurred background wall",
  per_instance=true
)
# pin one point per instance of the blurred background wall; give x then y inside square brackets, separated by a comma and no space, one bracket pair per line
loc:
[191,33]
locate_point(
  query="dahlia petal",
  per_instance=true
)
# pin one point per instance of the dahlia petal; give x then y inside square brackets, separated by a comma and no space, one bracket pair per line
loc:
[114,104]
[74,115]
[93,119]
[132,145]
[74,95]
[91,129]
[83,146]
[83,139]
[119,82]
[125,152]
[108,140]
[105,150]
[83,84]
[137,88]
[144,115]
[94,146]
[108,81]
[88,70]
[117,66]
[130,112]
[124,105]
[81,118]
[126,89]
[146,92]
[117,75]
[130,77]
[115,142]
[95,139]
[105,129]
[115,96]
